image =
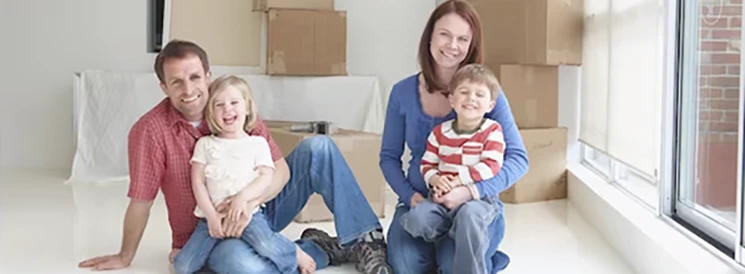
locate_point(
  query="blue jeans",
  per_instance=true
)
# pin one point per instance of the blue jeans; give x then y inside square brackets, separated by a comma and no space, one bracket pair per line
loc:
[316,166]
[470,246]
[258,235]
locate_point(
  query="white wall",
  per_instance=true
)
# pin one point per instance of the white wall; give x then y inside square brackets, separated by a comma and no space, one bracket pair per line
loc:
[42,47]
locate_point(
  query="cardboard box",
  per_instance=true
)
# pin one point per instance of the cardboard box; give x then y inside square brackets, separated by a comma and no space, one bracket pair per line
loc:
[533,92]
[306,42]
[359,149]
[546,178]
[266,5]
[541,32]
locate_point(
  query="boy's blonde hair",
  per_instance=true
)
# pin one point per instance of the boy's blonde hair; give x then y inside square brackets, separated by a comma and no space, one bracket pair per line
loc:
[476,74]
[221,84]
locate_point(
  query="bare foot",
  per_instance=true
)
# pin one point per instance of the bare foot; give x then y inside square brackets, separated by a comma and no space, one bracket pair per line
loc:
[305,263]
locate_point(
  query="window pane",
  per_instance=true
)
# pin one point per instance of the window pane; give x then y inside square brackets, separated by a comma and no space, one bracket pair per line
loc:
[709,115]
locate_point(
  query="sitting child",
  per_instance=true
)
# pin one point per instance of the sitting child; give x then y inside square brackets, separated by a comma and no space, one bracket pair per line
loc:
[223,165]
[460,152]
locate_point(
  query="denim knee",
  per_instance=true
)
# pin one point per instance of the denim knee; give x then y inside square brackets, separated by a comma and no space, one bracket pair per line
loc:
[426,221]
[475,216]
[315,144]
[183,266]
[235,256]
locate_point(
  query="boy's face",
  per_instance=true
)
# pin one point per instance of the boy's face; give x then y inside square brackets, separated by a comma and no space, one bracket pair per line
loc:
[471,101]
[230,110]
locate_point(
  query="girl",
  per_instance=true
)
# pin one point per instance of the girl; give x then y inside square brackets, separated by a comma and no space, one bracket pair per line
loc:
[223,164]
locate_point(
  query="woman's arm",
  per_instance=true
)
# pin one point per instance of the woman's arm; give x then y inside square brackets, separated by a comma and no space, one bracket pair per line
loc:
[515,156]
[393,147]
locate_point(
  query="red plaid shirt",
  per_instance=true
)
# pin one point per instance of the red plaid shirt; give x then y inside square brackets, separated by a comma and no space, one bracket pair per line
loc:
[161,143]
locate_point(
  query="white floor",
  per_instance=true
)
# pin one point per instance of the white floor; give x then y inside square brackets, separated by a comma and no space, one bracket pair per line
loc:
[47,227]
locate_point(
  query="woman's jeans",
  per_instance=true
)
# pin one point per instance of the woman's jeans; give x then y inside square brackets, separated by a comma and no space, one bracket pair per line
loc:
[269,244]
[462,240]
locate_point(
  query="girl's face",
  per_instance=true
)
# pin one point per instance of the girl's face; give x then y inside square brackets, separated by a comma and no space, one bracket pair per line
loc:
[451,39]
[230,110]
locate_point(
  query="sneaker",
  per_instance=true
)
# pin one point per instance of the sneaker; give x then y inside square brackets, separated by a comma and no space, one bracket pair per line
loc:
[337,254]
[371,257]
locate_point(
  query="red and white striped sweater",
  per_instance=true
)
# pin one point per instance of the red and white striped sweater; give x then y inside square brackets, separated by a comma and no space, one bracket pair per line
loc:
[474,156]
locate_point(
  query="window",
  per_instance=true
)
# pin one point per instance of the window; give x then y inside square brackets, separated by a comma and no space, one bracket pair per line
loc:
[622,72]
[635,183]
[631,66]
[707,120]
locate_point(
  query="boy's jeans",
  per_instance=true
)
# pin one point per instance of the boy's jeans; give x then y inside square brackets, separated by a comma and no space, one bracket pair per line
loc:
[432,221]
[267,243]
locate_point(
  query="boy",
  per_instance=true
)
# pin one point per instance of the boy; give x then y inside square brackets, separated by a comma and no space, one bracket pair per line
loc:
[460,152]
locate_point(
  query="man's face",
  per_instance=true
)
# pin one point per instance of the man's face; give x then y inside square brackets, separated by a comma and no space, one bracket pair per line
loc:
[186,85]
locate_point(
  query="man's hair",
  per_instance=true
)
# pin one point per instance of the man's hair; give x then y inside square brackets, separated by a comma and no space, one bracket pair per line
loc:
[220,85]
[179,49]
[476,74]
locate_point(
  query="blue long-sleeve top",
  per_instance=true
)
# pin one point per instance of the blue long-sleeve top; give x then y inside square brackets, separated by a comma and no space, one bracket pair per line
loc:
[406,123]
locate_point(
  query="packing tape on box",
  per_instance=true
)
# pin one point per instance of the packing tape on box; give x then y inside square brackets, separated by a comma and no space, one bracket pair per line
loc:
[277,62]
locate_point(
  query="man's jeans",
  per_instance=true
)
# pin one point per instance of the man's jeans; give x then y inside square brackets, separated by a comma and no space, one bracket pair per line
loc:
[316,166]
[430,237]
[258,235]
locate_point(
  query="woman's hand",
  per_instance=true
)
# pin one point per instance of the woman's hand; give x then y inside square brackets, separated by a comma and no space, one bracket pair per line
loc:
[416,199]
[455,198]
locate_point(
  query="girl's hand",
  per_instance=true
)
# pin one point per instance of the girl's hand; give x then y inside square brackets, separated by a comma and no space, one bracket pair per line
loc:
[215,227]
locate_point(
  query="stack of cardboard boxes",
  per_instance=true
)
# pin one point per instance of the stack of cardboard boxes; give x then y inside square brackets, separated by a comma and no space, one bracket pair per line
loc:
[304,38]
[525,43]
[309,38]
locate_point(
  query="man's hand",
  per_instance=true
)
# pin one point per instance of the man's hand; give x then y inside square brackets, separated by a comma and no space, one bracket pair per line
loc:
[456,197]
[109,262]
[234,229]
[135,220]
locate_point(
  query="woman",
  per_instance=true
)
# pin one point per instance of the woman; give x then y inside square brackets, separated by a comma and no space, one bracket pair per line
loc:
[451,39]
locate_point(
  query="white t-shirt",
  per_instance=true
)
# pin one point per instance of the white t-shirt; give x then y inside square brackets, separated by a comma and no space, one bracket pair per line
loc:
[230,164]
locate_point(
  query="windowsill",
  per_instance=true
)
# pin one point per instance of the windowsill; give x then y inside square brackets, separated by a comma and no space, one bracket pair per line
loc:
[651,244]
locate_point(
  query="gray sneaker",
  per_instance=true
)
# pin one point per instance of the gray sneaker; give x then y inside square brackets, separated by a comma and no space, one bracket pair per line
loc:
[337,254]
[371,257]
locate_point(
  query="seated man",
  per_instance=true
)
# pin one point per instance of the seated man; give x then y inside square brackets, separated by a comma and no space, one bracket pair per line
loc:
[161,143]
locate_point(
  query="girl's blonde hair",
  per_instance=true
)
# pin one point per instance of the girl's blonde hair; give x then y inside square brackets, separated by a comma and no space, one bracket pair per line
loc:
[221,84]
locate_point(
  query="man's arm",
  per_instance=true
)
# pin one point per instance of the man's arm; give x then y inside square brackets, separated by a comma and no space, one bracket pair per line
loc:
[146,166]
[135,221]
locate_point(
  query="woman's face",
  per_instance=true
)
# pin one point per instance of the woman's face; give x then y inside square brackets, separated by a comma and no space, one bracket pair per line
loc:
[451,39]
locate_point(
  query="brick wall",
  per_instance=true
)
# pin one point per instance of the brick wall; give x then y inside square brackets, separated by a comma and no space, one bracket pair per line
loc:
[719,26]
[719,57]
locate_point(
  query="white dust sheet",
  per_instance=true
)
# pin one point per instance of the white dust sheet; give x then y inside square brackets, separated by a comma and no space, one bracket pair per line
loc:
[106,104]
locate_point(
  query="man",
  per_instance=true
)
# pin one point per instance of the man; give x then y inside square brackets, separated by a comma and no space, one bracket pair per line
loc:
[161,143]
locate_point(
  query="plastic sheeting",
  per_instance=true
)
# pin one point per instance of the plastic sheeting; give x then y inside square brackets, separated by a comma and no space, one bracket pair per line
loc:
[106,105]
